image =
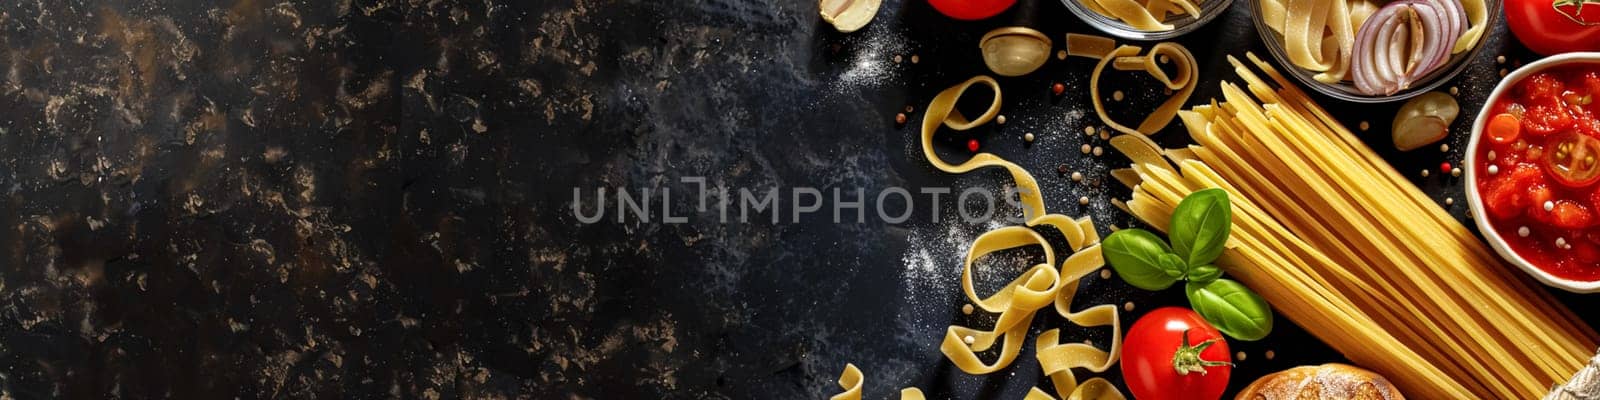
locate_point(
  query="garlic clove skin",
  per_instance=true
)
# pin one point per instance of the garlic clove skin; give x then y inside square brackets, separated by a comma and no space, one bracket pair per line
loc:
[848,15]
[1424,120]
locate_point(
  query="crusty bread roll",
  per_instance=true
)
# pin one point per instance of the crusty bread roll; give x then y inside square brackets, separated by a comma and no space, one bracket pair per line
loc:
[1321,382]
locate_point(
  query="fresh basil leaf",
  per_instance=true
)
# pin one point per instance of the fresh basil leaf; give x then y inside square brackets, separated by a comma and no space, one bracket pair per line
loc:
[1232,308]
[1172,265]
[1200,226]
[1204,274]
[1136,256]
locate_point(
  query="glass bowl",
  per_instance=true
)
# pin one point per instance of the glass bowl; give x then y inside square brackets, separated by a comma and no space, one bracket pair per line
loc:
[1181,24]
[1346,90]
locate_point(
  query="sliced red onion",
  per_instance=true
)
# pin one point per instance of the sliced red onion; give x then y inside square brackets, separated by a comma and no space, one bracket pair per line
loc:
[1379,66]
[1366,69]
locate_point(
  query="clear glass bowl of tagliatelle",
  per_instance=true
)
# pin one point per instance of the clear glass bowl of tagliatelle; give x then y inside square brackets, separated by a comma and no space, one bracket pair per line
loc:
[1147,19]
[1408,32]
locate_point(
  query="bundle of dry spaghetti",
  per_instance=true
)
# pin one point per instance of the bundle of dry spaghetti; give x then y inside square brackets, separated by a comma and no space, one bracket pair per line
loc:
[1340,243]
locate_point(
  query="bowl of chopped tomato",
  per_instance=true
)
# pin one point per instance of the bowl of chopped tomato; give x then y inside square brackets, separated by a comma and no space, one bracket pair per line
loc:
[1533,180]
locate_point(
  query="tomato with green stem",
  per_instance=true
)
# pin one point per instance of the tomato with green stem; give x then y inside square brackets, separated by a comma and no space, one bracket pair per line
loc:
[1555,26]
[1174,354]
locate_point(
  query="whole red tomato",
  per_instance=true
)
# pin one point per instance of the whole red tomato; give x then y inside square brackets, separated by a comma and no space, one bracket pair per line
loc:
[1555,26]
[971,9]
[1174,354]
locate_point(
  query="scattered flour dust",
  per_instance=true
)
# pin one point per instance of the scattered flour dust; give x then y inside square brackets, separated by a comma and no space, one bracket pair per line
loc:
[934,257]
[870,59]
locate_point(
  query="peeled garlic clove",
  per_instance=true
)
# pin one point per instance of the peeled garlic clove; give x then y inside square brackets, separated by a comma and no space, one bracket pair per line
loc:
[1424,120]
[849,15]
[1014,51]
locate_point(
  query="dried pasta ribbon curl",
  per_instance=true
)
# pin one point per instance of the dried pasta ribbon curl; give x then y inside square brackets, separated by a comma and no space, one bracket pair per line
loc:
[852,380]
[1130,12]
[1127,58]
[1041,285]
[1303,32]
[1148,16]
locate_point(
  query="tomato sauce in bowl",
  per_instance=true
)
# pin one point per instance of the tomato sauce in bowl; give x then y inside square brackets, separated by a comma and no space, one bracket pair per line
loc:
[1537,167]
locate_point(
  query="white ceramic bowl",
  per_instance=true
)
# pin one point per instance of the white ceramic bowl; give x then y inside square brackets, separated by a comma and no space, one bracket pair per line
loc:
[1478,214]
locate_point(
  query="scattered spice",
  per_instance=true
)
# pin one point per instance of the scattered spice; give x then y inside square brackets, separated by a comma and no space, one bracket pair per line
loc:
[1116,96]
[1455,171]
[1444,147]
[966,309]
[1424,173]
[969,339]
[1501,59]
[1058,88]
[915,59]
[900,118]
[1083,201]
[1455,90]
[1028,137]
[1105,135]
[1088,130]
[1127,306]
[1105,273]
[1503,72]
[1449,201]
[1364,125]
[1000,120]
[1061,54]
[1098,151]
[1239,356]
[1086,149]
[1271,354]
[1076,176]
[897,59]
[909,109]
[1061,169]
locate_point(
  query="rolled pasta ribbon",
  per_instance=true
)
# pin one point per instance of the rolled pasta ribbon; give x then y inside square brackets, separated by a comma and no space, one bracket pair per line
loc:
[1478,16]
[1303,28]
[1148,16]
[852,380]
[1343,44]
[1127,57]
[1041,285]
[1134,14]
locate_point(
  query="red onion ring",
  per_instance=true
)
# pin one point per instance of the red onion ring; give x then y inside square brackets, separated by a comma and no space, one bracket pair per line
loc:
[1380,55]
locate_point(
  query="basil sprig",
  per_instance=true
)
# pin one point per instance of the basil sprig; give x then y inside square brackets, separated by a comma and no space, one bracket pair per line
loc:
[1198,231]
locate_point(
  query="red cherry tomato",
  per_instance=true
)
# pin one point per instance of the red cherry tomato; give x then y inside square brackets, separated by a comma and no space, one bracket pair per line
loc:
[971,9]
[1573,159]
[1168,339]
[1504,128]
[1555,26]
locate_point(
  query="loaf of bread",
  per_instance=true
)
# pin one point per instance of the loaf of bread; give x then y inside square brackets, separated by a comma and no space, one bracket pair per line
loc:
[1321,382]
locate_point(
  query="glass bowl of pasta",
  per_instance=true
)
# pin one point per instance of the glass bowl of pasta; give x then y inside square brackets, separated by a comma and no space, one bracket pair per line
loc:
[1147,19]
[1373,51]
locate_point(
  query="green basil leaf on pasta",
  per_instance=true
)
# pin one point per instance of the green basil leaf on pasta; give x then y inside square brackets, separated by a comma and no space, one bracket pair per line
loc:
[1232,308]
[1136,256]
[1200,226]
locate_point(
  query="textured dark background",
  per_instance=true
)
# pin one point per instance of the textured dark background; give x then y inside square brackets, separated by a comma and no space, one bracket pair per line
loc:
[260,198]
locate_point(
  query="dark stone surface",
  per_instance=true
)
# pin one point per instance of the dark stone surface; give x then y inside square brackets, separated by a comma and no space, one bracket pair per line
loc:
[264,198]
